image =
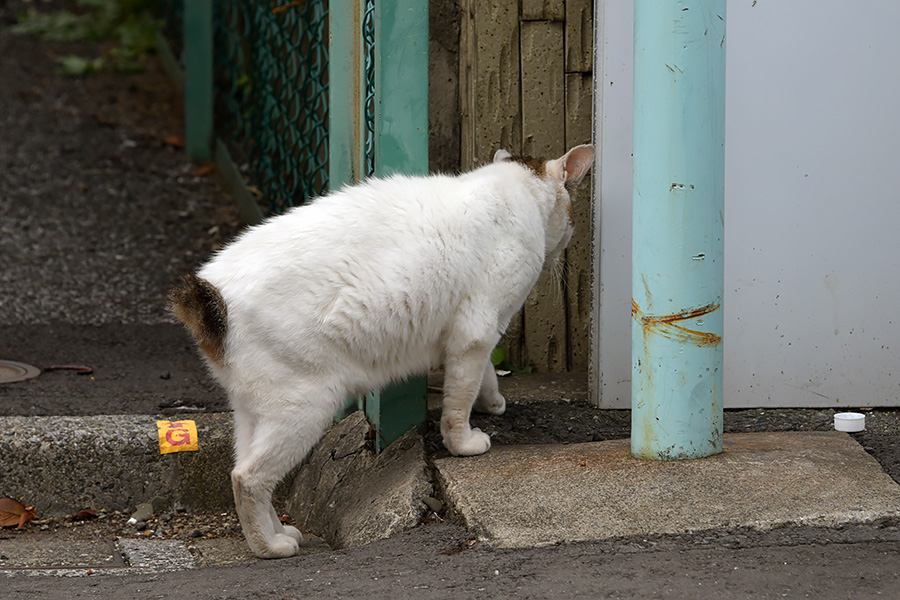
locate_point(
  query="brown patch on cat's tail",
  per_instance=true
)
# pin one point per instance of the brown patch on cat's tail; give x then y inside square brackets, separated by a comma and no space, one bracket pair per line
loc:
[199,305]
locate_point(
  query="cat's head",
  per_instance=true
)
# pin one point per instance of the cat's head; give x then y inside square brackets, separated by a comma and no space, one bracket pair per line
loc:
[560,176]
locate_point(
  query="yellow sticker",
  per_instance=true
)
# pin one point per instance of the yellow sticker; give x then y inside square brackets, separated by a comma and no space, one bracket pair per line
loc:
[177,436]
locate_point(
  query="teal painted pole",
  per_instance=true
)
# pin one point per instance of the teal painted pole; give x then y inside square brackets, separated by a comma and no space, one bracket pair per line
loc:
[198,83]
[678,243]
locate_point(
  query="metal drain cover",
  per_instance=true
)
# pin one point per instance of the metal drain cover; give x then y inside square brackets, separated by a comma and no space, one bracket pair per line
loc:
[11,371]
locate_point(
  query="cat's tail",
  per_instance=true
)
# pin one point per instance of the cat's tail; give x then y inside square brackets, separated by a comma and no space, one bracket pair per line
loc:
[198,304]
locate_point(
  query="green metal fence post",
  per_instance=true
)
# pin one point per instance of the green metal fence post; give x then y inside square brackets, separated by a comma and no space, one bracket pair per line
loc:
[198,89]
[345,94]
[345,109]
[397,123]
[401,146]
[677,259]
[401,87]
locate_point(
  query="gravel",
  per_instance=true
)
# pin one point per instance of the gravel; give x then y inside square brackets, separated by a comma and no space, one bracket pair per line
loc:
[98,214]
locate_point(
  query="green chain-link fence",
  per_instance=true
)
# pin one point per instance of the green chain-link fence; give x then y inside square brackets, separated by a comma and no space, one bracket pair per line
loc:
[271,92]
[368,43]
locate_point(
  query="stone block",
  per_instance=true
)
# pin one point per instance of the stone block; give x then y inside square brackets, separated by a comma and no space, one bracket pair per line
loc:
[350,497]
[520,496]
[62,465]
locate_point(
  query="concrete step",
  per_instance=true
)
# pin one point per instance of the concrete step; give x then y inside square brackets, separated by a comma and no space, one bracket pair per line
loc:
[522,496]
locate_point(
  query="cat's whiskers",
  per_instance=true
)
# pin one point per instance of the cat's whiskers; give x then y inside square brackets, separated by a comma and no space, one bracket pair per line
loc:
[558,279]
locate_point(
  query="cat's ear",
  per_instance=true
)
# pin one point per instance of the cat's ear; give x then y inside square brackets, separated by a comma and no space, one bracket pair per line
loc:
[572,166]
[501,155]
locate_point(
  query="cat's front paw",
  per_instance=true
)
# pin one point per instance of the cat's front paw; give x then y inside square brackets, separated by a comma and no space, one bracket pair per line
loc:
[493,405]
[477,442]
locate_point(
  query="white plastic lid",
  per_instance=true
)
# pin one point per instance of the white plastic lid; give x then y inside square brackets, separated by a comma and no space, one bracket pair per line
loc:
[850,421]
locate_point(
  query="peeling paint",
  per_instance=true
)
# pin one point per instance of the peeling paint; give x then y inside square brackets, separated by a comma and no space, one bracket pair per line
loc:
[646,290]
[667,325]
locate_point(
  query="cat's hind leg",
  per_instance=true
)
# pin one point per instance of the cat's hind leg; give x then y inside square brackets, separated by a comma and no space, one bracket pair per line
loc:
[462,382]
[280,527]
[244,426]
[489,399]
[281,438]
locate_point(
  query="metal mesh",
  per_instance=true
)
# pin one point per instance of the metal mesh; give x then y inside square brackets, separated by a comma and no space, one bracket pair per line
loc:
[271,91]
[271,81]
[368,38]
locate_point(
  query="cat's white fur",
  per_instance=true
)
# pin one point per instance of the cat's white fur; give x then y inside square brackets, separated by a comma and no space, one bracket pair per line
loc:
[366,286]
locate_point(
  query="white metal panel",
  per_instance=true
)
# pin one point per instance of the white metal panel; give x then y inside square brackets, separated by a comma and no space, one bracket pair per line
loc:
[812,253]
[611,340]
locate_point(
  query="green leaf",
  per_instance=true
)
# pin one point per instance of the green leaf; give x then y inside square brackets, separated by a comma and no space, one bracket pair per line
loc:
[498,355]
[78,66]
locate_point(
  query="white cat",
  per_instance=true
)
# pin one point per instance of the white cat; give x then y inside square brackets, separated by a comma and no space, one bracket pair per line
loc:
[363,287]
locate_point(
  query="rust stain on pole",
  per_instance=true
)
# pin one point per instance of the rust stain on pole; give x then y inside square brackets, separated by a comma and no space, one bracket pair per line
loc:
[667,325]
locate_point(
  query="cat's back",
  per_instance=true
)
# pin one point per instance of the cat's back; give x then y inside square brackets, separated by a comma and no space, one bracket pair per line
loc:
[400,219]
[415,234]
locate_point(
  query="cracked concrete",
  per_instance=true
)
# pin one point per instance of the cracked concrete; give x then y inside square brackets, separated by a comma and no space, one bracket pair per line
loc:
[350,497]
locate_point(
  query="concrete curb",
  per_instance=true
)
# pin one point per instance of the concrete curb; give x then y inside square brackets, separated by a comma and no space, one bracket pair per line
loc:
[344,493]
[61,465]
